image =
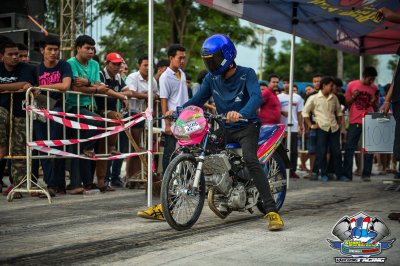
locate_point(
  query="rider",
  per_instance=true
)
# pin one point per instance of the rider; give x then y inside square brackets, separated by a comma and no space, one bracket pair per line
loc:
[236,92]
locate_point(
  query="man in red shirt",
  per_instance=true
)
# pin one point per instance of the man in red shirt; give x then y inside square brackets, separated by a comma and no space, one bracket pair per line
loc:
[361,99]
[270,110]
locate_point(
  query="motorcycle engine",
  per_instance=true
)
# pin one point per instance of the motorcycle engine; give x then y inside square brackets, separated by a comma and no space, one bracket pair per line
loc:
[238,197]
[216,172]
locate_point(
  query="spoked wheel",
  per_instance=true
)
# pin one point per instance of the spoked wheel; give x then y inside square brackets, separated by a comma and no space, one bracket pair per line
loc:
[181,203]
[276,173]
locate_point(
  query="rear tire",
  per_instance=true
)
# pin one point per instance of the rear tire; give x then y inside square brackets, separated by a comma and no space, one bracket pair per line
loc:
[275,171]
[181,205]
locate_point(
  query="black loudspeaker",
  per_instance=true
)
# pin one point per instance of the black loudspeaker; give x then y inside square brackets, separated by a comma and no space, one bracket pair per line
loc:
[25,7]
[14,21]
[30,38]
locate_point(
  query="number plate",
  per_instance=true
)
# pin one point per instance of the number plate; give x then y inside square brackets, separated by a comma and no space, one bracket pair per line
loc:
[192,126]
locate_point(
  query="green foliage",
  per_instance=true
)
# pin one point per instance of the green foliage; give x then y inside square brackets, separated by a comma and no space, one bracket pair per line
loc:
[393,63]
[175,21]
[51,18]
[311,59]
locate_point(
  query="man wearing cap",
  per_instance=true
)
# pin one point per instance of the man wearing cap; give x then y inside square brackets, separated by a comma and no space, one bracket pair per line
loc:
[108,107]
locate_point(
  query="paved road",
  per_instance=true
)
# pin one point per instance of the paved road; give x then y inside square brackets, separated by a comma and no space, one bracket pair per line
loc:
[103,229]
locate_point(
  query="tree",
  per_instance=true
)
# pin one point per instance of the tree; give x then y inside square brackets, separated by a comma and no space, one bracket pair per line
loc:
[393,63]
[311,59]
[175,21]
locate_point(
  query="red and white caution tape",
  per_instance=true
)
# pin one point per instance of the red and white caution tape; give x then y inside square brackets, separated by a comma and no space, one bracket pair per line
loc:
[71,155]
[97,118]
[117,129]
[77,125]
[43,145]
[149,114]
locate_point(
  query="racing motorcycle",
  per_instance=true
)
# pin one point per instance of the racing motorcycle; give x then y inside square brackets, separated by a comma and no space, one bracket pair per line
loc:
[205,165]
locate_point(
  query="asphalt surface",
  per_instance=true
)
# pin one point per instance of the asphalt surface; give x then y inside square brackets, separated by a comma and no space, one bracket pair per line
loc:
[104,230]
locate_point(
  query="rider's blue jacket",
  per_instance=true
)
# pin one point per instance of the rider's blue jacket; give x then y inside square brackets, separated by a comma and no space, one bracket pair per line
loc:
[240,92]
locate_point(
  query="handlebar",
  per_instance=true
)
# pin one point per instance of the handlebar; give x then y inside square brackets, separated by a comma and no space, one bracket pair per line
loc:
[223,117]
[208,115]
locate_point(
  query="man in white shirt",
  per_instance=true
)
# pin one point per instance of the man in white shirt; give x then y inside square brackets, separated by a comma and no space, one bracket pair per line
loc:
[297,121]
[137,83]
[173,93]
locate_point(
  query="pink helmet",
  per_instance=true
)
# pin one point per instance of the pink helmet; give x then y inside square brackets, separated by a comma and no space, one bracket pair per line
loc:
[191,126]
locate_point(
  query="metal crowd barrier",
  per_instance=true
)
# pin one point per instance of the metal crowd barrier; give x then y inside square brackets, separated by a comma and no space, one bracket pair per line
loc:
[29,101]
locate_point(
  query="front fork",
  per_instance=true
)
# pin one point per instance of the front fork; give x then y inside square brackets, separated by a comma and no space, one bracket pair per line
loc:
[199,170]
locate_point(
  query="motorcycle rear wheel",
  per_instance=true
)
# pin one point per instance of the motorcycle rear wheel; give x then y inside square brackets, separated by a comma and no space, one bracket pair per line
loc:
[181,204]
[276,172]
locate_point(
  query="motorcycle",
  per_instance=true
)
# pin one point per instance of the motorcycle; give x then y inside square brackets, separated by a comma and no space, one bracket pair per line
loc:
[205,164]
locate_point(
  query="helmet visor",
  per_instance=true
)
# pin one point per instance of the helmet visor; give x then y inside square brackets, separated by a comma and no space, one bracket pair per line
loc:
[214,62]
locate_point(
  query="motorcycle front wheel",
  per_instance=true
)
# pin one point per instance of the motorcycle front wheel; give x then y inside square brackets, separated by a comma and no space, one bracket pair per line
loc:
[181,203]
[276,173]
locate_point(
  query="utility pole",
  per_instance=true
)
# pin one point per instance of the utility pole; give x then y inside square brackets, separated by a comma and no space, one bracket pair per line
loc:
[261,32]
[72,23]
[339,73]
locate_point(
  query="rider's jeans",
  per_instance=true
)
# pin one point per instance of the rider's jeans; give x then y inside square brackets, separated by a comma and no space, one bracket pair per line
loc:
[248,139]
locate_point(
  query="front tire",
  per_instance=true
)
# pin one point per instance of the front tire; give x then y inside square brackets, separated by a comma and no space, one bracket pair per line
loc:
[181,204]
[276,173]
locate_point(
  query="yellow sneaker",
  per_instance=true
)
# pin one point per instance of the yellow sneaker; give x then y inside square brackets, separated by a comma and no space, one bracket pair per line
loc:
[275,222]
[153,213]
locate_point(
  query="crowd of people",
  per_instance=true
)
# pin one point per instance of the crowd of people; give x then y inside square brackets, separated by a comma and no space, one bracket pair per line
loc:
[80,73]
[318,112]
[329,117]
[329,120]
[126,95]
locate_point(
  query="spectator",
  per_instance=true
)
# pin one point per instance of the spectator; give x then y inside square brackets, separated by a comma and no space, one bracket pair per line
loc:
[295,89]
[110,77]
[86,79]
[337,90]
[14,76]
[23,53]
[173,93]
[309,90]
[188,84]
[199,80]
[270,110]
[327,116]
[384,159]
[210,105]
[124,71]
[316,80]
[161,67]
[297,122]
[263,86]
[3,162]
[360,97]
[53,74]
[137,83]
[310,133]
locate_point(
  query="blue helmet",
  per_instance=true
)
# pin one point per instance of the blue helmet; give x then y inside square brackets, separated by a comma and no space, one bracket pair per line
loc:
[218,52]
